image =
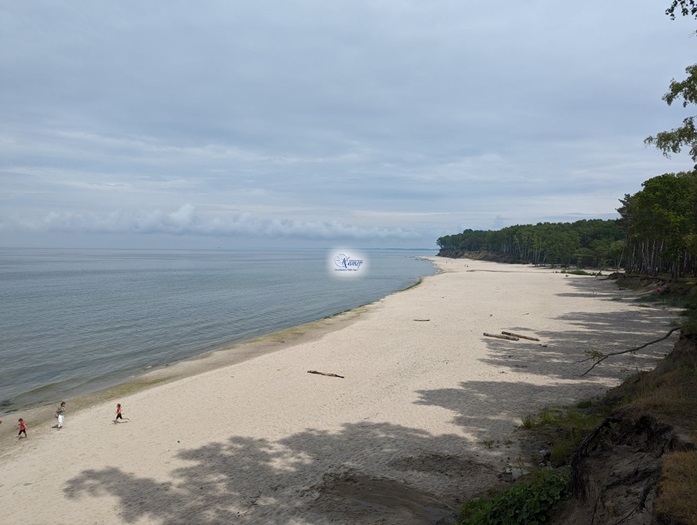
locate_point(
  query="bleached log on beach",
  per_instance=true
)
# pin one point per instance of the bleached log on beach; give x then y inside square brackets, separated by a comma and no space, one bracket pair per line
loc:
[324,374]
[519,335]
[497,336]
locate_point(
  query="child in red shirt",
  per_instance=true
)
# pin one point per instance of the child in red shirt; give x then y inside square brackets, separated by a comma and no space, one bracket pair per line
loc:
[22,428]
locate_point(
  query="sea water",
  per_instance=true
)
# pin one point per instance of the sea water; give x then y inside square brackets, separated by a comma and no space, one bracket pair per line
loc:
[77,321]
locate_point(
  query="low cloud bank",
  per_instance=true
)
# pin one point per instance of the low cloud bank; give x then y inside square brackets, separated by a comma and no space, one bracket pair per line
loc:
[186,221]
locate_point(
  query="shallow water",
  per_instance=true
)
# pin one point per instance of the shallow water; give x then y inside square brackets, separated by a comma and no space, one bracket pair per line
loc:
[75,321]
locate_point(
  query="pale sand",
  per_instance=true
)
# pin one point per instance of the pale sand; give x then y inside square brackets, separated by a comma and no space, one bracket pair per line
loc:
[432,405]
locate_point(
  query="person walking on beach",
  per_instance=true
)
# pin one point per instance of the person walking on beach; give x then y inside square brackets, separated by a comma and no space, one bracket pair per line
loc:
[119,415]
[22,429]
[60,414]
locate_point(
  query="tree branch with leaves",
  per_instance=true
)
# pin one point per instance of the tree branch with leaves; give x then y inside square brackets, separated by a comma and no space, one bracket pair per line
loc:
[673,141]
[684,7]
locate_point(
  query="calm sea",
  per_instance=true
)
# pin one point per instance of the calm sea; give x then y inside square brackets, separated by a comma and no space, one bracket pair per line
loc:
[77,321]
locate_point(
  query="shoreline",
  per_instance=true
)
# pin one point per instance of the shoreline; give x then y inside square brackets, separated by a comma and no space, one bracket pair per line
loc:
[428,407]
[87,352]
[41,413]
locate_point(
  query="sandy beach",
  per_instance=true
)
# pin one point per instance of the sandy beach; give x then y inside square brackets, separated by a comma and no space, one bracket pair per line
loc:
[424,415]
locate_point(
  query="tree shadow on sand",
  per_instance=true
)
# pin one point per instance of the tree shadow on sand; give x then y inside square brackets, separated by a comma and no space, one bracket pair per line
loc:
[550,372]
[564,353]
[367,473]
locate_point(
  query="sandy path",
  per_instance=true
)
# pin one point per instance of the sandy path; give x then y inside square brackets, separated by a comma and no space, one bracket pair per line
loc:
[425,408]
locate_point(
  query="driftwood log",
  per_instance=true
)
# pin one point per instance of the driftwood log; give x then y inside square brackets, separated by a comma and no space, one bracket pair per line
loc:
[520,336]
[497,336]
[324,374]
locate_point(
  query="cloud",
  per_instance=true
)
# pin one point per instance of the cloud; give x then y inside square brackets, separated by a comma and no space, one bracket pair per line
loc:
[353,118]
[185,221]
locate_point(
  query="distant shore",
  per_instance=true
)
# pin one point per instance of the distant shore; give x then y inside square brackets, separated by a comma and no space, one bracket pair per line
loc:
[410,396]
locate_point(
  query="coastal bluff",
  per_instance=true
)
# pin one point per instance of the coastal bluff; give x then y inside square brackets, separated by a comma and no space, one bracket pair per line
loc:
[638,466]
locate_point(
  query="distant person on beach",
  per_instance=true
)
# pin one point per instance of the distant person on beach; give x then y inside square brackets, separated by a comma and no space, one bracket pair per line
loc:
[22,428]
[119,415]
[60,414]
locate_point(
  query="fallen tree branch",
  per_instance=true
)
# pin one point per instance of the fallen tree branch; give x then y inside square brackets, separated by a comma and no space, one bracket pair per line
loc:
[324,374]
[518,335]
[602,357]
[508,337]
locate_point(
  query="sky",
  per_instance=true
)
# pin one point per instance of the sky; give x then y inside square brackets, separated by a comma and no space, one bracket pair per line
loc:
[366,123]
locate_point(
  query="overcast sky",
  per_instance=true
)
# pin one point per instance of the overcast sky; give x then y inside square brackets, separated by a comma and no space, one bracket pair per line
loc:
[173,123]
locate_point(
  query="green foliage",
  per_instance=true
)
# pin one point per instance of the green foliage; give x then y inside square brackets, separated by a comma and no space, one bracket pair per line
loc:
[560,453]
[563,429]
[535,499]
[674,140]
[594,354]
[594,243]
[528,422]
[661,222]
[527,503]
[686,8]
[578,272]
[662,218]
[550,416]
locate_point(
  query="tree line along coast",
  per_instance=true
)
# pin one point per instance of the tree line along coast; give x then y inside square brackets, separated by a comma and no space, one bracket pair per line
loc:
[654,241]
[655,234]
